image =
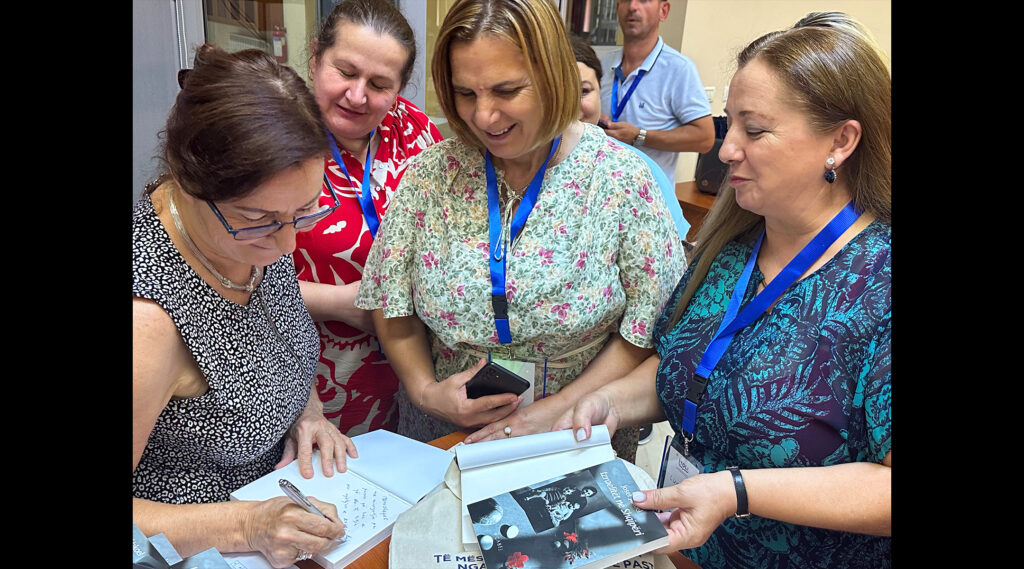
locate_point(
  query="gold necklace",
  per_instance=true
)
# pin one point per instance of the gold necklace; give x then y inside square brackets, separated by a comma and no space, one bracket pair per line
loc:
[506,187]
[247,287]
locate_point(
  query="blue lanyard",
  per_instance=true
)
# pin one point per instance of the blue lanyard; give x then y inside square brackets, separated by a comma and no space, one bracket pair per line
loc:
[616,107]
[499,248]
[365,201]
[732,323]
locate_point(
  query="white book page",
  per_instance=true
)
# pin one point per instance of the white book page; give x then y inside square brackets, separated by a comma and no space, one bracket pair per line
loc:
[366,509]
[504,450]
[406,467]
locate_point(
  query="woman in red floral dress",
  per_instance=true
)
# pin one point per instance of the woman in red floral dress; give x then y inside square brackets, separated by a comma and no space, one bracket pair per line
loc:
[361,58]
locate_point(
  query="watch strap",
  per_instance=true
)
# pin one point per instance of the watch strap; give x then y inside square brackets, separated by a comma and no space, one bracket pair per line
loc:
[741,493]
[640,138]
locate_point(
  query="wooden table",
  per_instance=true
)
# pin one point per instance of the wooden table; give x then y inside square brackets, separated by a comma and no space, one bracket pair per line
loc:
[695,205]
[377,558]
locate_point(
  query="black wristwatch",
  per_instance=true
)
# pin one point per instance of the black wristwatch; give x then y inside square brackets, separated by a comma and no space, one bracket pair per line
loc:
[741,493]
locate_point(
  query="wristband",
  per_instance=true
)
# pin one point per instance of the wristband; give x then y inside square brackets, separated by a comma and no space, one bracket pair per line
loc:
[741,493]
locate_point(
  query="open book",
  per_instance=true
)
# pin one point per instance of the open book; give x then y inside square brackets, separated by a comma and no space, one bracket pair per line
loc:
[491,467]
[583,519]
[390,475]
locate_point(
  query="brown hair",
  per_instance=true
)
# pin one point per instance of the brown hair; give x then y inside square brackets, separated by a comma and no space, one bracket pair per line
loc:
[378,15]
[536,28]
[239,119]
[834,71]
[585,54]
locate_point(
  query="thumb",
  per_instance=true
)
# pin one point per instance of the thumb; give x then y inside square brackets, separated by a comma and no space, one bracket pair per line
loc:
[656,499]
[463,379]
[288,455]
[581,425]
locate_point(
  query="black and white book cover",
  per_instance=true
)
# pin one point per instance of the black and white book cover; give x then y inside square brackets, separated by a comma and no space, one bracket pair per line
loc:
[582,519]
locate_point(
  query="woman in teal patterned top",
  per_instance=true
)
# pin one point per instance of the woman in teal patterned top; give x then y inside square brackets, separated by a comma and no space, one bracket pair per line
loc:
[786,457]
[592,269]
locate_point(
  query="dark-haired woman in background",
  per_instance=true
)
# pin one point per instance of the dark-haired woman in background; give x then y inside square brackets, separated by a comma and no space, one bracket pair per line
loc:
[590,111]
[223,346]
[361,58]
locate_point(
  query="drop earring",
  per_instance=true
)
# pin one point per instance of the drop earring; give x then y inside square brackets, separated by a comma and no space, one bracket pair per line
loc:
[830,172]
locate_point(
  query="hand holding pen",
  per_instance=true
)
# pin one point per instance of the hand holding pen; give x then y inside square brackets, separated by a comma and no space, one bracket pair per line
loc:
[285,534]
[299,498]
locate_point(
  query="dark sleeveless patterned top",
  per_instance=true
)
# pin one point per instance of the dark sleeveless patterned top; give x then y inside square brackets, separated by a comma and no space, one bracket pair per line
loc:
[258,360]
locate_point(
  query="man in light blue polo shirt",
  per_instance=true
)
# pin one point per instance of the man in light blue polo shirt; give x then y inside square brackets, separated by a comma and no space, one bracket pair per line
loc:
[651,95]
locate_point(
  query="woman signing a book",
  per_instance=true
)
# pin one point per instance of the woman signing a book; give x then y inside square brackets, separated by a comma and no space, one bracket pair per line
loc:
[530,238]
[223,346]
[773,363]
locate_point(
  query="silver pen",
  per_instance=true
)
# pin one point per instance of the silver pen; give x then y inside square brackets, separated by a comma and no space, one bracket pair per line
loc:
[299,498]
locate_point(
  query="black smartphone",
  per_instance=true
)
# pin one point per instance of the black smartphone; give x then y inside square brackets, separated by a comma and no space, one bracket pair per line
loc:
[602,124]
[493,379]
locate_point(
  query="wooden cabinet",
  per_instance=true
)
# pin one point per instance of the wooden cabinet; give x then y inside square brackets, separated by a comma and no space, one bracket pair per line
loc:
[695,206]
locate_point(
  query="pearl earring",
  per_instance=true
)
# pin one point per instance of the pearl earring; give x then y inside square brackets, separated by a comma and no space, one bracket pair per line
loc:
[830,172]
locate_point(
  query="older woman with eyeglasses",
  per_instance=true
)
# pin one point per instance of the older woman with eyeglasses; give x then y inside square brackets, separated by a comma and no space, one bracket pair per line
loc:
[223,346]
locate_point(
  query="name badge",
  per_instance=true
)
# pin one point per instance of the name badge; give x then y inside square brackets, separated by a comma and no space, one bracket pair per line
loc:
[525,370]
[676,466]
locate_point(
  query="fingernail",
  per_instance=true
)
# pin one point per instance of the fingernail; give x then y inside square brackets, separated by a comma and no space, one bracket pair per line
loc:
[639,496]
[581,434]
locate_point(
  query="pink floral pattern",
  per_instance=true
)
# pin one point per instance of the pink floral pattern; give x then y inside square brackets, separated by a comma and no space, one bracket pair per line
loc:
[593,258]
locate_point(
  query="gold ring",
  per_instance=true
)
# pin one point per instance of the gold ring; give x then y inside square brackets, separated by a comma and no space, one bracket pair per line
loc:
[508,432]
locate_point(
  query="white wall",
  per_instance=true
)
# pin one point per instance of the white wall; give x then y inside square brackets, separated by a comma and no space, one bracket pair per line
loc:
[157,55]
[715,30]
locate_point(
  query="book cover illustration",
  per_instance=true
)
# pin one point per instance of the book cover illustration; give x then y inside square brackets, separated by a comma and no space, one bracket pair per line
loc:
[582,519]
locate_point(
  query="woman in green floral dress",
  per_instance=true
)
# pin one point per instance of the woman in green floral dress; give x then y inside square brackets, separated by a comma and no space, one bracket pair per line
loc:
[585,279]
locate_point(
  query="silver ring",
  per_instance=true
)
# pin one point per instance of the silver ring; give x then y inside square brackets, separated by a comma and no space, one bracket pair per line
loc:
[508,432]
[303,555]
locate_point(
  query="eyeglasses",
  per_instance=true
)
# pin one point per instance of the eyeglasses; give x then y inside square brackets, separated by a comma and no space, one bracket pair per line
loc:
[303,223]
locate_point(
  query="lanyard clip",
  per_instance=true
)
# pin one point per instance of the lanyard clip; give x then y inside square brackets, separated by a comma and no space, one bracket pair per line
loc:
[695,388]
[500,305]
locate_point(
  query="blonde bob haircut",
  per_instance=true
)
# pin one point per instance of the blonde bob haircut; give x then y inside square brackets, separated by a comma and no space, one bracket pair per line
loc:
[536,28]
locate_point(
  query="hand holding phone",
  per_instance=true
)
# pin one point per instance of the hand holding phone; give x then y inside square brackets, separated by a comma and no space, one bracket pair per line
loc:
[493,379]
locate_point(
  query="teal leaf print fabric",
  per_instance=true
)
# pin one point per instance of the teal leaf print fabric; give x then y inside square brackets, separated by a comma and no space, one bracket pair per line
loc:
[806,384]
